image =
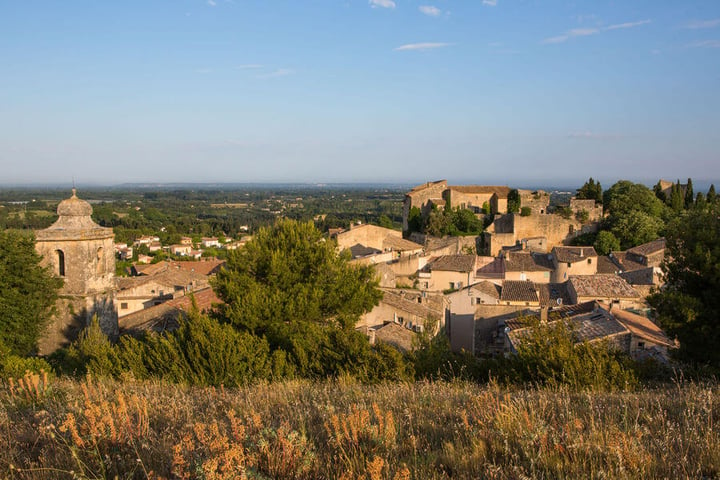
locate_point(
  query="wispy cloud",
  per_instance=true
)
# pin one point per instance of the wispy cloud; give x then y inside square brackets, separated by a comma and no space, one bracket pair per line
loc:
[489,3]
[627,25]
[584,32]
[699,24]
[212,3]
[430,10]
[422,46]
[249,66]
[203,71]
[280,72]
[382,3]
[705,44]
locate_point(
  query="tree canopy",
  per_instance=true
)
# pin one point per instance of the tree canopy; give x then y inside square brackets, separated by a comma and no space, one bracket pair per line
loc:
[27,293]
[591,190]
[689,305]
[635,213]
[290,286]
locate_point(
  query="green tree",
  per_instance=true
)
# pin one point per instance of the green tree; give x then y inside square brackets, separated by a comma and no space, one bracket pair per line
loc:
[659,193]
[591,190]
[677,200]
[27,293]
[635,228]
[606,242]
[513,201]
[689,194]
[525,211]
[415,220]
[635,213]
[711,195]
[290,286]
[689,305]
[625,196]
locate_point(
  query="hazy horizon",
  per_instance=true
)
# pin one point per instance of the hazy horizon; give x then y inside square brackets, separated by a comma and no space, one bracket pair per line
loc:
[360,91]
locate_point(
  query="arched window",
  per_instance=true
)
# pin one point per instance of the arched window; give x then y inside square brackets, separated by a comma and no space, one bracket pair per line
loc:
[60,262]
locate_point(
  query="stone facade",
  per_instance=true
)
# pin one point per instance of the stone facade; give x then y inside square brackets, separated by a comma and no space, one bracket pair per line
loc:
[81,253]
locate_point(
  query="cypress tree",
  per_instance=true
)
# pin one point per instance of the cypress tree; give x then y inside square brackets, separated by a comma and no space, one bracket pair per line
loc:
[689,194]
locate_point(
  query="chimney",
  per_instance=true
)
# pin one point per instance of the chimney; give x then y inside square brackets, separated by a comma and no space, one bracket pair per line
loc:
[543,314]
[581,252]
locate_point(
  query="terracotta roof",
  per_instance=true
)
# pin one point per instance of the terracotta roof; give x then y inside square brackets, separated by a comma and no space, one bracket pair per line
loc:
[405,305]
[488,288]
[518,291]
[649,248]
[573,254]
[360,251]
[454,263]
[550,293]
[528,262]
[602,286]
[395,335]
[203,267]
[400,244]
[642,327]
[501,191]
[624,263]
[524,318]
[422,187]
[165,316]
[607,265]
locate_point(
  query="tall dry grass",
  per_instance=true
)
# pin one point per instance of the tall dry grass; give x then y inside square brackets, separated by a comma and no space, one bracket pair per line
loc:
[344,430]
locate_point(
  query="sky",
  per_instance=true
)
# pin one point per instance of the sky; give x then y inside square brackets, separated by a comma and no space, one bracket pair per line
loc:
[516,92]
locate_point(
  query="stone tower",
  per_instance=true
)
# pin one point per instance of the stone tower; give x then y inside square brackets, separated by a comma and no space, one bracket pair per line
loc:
[82,253]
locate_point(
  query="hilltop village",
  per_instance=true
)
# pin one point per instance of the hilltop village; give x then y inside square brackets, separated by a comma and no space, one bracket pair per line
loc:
[482,291]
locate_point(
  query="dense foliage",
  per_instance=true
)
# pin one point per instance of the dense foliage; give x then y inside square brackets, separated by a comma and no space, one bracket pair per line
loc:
[27,292]
[591,190]
[689,304]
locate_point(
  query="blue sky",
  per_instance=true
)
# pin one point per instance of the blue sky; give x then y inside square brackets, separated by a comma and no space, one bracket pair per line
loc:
[518,92]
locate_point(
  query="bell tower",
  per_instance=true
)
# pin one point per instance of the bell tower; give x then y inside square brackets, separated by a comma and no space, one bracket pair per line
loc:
[80,252]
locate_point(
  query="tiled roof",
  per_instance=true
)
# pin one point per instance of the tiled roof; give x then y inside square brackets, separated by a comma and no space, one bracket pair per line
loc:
[642,327]
[649,248]
[528,262]
[518,291]
[624,263]
[402,304]
[203,267]
[602,286]
[395,335]
[501,191]
[400,244]
[488,288]
[550,293]
[422,187]
[359,251]
[607,265]
[165,316]
[454,263]
[573,254]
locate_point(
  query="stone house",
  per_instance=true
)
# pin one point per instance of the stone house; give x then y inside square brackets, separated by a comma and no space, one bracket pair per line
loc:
[535,267]
[137,293]
[569,261]
[394,308]
[473,197]
[447,272]
[519,293]
[207,242]
[608,288]
[82,253]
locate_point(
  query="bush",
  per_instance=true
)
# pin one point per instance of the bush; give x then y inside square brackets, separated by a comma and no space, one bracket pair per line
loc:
[525,211]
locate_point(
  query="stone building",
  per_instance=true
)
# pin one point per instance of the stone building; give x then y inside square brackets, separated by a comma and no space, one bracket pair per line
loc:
[82,253]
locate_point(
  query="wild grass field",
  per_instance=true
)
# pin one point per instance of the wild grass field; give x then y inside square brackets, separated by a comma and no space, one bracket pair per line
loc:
[58,428]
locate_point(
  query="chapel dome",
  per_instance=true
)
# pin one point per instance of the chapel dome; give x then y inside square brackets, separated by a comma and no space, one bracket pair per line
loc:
[74,207]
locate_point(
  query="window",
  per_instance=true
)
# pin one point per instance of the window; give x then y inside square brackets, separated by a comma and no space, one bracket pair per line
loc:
[123,306]
[60,262]
[99,266]
[589,261]
[641,344]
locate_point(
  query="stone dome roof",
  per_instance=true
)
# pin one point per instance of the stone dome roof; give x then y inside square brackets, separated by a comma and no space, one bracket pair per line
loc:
[74,207]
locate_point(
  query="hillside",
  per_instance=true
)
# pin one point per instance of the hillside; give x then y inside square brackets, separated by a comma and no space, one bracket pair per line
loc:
[300,429]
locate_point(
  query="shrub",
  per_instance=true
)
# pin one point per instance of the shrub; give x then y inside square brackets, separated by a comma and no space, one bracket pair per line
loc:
[525,211]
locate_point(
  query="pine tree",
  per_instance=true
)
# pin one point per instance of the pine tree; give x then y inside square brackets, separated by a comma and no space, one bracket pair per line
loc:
[711,196]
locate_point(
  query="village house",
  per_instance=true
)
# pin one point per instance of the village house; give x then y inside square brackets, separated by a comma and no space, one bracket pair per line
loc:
[535,267]
[186,241]
[137,293]
[179,249]
[379,243]
[394,308]
[207,242]
[573,261]
[611,289]
[520,293]
[146,240]
[447,272]
[144,259]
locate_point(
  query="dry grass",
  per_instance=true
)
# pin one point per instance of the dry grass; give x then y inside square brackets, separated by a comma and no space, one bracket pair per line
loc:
[103,429]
